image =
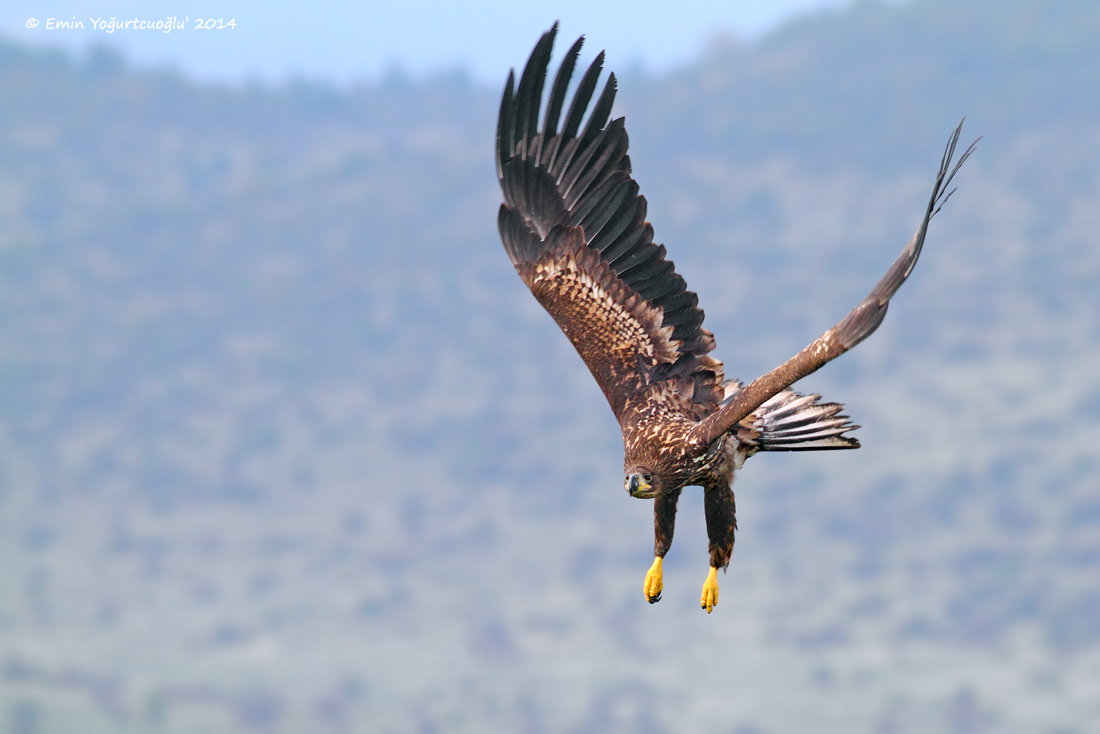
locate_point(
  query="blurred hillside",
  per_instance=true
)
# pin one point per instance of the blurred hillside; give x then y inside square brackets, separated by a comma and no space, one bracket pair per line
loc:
[285,446]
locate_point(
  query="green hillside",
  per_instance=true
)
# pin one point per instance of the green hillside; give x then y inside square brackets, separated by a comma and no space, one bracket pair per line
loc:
[285,446]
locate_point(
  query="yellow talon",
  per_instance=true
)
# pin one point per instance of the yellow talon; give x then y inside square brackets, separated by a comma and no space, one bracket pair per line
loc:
[709,599]
[654,581]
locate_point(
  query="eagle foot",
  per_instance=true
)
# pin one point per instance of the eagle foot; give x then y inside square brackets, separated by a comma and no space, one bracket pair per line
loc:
[654,581]
[709,599]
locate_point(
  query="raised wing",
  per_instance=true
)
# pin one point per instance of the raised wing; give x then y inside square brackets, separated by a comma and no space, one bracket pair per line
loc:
[574,227]
[859,324]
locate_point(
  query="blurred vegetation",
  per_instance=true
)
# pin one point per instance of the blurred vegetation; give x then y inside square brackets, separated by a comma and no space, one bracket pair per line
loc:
[286,446]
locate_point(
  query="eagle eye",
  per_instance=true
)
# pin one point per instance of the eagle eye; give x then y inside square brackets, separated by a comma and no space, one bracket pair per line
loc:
[648,477]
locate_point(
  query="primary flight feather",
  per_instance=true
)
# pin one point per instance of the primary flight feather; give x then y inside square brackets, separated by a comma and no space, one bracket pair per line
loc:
[574,226]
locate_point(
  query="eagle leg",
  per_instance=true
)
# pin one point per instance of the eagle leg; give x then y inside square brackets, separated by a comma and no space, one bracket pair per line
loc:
[664,524]
[721,510]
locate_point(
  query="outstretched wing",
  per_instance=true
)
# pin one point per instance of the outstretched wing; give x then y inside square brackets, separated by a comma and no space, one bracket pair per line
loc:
[859,324]
[574,227]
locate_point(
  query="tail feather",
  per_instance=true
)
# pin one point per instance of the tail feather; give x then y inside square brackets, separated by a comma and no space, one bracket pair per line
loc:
[790,421]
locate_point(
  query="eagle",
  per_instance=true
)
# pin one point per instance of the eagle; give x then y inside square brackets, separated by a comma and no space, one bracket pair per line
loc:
[574,226]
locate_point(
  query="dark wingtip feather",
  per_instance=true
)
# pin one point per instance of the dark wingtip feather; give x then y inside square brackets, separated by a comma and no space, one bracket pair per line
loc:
[601,111]
[505,136]
[529,94]
[581,98]
[561,85]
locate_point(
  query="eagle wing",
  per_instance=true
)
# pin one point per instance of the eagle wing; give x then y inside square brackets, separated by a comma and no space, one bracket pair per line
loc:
[574,227]
[859,324]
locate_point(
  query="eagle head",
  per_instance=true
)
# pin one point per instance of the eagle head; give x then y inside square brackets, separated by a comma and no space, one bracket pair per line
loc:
[642,483]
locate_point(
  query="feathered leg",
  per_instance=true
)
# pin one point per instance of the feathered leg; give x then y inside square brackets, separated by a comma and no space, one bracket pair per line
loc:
[664,524]
[721,524]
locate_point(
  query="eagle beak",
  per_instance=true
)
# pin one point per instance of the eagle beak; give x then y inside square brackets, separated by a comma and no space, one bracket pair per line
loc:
[637,486]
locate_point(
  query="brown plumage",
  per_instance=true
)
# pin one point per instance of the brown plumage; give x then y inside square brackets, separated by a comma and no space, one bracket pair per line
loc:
[574,227]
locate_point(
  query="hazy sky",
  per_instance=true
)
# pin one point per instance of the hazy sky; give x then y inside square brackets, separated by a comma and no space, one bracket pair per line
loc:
[341,41]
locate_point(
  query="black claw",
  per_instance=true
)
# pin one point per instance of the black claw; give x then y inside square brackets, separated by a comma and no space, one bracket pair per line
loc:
[655,599]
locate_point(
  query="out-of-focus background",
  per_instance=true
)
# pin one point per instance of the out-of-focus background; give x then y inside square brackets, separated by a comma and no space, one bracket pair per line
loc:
[285,446]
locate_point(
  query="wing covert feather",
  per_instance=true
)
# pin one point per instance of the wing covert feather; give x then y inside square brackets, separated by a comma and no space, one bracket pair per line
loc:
[618,335]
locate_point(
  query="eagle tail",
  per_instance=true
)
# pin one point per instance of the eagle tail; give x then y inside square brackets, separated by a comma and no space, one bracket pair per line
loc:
[790,421]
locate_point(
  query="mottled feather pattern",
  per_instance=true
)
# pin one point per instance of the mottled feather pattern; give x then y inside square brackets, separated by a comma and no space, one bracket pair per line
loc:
[618,335]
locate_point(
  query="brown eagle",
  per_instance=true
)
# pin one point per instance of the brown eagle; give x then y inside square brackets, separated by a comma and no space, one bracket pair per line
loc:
[575,229]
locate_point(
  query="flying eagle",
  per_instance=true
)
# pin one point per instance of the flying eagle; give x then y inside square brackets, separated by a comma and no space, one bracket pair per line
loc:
[574,226]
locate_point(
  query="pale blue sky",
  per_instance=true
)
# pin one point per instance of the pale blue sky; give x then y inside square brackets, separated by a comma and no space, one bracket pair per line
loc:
[338,42]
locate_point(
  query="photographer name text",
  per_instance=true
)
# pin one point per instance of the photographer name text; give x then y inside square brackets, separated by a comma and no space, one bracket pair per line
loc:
[112,24]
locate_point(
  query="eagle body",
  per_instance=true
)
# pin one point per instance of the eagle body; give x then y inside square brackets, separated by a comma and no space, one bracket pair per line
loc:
[573,224]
